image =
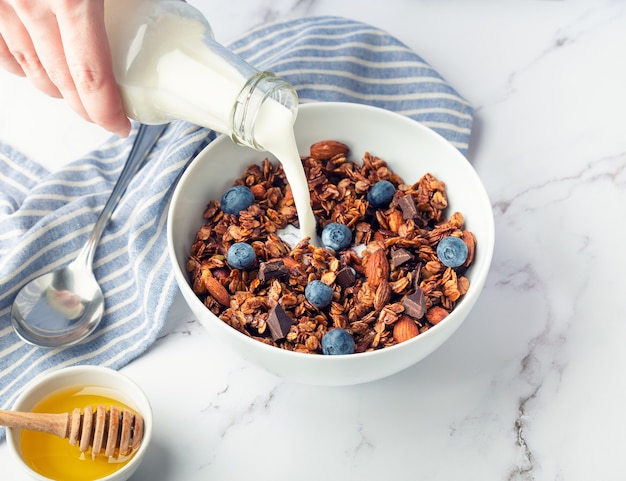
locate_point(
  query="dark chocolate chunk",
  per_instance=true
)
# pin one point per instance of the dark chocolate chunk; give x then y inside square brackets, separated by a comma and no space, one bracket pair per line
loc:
[272,270]
[417,273]
[415,304]
[407,205]
[279,322]
[346,277]
[399,256]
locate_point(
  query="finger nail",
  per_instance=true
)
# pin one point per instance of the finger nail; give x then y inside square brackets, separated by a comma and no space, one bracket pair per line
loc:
[123,132]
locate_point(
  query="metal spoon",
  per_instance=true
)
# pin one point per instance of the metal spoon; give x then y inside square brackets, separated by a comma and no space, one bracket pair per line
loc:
[63,307]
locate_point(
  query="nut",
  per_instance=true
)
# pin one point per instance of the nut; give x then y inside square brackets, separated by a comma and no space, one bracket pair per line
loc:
[377,268]
[327,149]
[436,314]
[405,329]
[217,290]
[382,296]
[395,220]
[377,301]
[470,241]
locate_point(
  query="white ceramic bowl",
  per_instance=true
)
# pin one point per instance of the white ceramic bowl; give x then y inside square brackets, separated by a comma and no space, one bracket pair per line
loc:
[127,391]
[411,150]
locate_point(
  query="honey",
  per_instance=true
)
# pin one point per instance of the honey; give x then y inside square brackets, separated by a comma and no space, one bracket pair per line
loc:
[54,457]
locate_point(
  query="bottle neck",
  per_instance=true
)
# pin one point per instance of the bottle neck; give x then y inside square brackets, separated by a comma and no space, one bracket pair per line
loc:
[261,89]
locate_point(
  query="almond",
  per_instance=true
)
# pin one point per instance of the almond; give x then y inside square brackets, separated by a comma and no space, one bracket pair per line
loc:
[290,263]
[405,329]
[470,241]
[217,290]
[463,285]
[377,268]
[395,220]
[327,149]
[436,314]
[382,296]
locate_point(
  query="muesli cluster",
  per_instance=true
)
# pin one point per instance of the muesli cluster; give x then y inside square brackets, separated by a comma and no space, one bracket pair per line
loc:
[390,266]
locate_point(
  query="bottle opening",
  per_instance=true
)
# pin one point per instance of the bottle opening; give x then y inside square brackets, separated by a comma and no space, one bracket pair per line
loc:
[259,88]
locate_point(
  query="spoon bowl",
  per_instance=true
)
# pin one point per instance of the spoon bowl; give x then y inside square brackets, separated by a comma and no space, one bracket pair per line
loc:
[61,308]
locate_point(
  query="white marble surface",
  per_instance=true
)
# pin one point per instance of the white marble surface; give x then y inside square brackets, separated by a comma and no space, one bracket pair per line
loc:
[532,386]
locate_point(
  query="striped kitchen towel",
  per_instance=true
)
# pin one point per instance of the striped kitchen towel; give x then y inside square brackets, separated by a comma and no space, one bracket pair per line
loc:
[45,218]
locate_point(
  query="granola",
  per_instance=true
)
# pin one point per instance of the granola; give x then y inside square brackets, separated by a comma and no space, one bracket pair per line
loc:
[389,286]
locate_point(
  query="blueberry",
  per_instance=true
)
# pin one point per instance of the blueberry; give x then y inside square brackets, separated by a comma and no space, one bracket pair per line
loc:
[452,251]
[336,236]
[236,199]
[381,193]
[241,255]
[318,293]
[337,341]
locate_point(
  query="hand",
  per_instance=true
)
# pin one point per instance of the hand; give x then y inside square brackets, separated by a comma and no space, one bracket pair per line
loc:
[62,47]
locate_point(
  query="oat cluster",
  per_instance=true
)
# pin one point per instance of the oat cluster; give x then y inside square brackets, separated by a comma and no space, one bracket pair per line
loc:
[388,287]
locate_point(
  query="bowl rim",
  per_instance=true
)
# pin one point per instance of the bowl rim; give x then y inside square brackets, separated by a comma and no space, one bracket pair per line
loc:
[94,370]
[487,249]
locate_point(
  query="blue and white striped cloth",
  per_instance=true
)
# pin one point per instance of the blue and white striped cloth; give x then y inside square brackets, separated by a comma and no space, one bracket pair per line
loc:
[45,218]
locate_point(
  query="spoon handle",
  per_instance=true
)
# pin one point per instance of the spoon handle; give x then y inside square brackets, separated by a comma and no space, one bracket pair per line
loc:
[147,136]
[56,424]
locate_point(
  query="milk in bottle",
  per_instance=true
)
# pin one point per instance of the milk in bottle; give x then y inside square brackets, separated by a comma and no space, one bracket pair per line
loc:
[168,66]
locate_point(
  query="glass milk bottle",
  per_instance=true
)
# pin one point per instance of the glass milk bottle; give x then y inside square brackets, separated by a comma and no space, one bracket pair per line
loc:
[168,66]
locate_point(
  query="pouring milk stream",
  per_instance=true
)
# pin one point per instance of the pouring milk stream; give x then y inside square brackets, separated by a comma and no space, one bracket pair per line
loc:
[168,66]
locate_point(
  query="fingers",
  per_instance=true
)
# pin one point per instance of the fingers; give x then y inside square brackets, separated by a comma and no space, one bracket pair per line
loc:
[7,62]
[82,33]
[22,51]
[63,49]
[44,33]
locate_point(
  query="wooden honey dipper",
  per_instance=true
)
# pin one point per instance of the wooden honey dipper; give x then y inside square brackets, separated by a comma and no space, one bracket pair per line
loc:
[113,429]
